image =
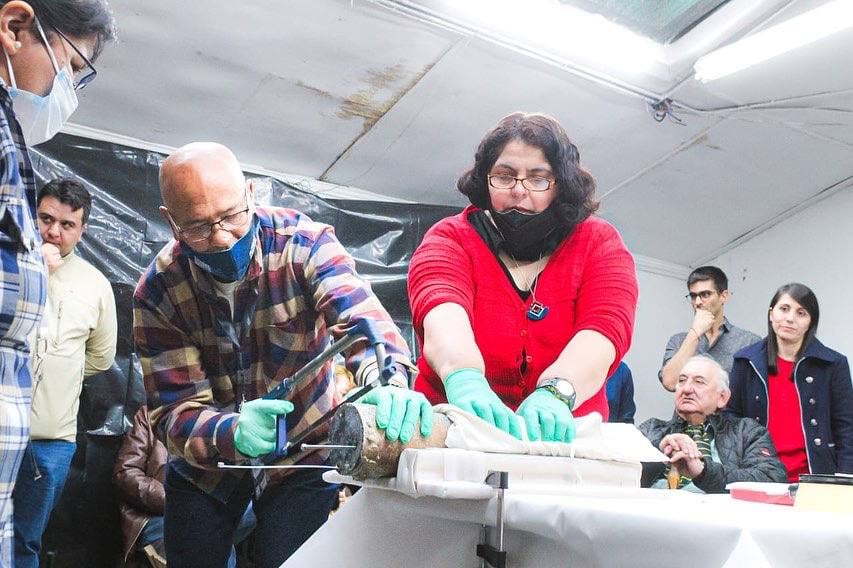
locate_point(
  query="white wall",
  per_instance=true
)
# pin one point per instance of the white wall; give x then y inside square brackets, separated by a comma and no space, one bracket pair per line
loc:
[815,247]
[661,311]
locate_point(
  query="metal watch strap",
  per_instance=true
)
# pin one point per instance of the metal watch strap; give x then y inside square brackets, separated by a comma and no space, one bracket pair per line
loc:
[553,386]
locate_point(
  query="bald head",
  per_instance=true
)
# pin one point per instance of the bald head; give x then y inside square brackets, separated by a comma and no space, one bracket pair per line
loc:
[199,172]
[201,184]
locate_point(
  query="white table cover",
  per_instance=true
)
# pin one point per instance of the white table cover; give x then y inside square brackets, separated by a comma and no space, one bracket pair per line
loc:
[577,526]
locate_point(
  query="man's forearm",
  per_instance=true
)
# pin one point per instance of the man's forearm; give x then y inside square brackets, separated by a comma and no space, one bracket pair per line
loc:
[202,435]
[670,371]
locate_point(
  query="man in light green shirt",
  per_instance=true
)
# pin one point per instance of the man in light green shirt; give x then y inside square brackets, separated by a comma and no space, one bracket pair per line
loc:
[77,338]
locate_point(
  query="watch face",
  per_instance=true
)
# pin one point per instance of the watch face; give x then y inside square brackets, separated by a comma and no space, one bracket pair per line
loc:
[565,388]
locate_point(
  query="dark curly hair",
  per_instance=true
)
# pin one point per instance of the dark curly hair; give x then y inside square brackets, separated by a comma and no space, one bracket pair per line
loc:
[575,186]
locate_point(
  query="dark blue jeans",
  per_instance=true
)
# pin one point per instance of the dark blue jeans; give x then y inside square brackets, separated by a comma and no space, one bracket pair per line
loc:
[199,529]
[37,490]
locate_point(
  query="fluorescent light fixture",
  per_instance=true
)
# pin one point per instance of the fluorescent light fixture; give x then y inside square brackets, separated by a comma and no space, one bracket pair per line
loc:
[789,35]
[560,30]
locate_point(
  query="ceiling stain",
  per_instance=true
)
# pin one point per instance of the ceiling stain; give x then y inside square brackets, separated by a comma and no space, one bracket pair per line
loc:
[699,140]
[702,140]
[364,104]
[316,90]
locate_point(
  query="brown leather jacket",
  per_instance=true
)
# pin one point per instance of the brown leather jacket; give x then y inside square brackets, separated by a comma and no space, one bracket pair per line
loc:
[139,473]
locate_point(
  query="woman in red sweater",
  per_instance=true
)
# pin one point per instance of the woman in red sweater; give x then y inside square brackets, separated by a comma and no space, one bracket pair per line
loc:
[524,302]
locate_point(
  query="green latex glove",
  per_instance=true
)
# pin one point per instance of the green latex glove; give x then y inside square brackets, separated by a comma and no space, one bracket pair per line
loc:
[469,390]
[547,417]
[398,411]
[255,434]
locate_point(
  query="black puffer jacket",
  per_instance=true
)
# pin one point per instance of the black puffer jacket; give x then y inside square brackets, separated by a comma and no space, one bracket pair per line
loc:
[744,447]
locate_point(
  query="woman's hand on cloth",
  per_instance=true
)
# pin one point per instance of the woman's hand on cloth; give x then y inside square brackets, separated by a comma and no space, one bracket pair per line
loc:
[398,410]
[547,418]
[256,428]
[469,390]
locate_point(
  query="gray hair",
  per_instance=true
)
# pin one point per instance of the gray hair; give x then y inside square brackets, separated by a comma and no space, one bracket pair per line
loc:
[722,375]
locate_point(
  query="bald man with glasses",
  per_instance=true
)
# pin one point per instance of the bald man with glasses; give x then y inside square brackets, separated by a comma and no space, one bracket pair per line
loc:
[710,333]
[242,297]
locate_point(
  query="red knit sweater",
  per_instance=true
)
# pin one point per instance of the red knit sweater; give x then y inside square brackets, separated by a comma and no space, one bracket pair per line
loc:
[588,283]
[785,420]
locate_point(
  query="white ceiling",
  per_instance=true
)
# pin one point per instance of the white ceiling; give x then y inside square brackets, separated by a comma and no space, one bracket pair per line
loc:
[393,96]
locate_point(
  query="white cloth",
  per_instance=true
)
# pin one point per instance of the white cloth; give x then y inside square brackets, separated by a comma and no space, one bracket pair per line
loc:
[602,454]
[451,473]
[595,440]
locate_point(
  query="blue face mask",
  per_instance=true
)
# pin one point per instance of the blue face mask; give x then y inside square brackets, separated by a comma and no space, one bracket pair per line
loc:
[232,263]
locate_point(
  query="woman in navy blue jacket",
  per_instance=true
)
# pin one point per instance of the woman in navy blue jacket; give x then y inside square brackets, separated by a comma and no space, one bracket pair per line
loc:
[796,387]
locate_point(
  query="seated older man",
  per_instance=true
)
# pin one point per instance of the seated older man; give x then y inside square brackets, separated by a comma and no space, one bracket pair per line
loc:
[708,449]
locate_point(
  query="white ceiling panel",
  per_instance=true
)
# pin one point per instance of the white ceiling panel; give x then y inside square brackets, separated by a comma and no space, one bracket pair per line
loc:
[287,86]
[823,67]
[724,185]
[827,117]
[380,95]
[436,127]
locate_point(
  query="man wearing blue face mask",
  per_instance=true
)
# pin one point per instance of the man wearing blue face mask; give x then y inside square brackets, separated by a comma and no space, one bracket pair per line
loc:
[48,47]
[243,297]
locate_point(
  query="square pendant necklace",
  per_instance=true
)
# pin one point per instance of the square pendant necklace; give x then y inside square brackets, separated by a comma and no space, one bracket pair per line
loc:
[537,310]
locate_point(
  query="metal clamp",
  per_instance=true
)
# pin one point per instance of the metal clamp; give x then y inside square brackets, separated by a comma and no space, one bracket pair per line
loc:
[494,555]
[359,331]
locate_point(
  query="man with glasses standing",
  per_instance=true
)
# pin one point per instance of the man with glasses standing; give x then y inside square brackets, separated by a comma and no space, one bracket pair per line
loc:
[710,333]
[242,298]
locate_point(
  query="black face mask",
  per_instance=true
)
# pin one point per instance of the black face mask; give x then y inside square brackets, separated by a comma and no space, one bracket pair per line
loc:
[530,236]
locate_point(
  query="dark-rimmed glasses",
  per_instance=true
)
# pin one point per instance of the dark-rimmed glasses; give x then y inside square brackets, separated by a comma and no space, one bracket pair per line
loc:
[230,222]
[704,294]
[84,76]
[531,183]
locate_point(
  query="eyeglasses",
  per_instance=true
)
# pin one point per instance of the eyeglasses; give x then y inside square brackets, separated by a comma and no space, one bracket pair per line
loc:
[532,183]
[84,76]
[704,294]
[230,222]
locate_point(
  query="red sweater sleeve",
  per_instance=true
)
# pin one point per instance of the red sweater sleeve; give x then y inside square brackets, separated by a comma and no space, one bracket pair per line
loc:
[440,271]
[607,297]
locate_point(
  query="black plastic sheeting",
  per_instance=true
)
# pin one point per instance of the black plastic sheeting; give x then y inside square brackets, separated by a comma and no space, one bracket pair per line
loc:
[125,231]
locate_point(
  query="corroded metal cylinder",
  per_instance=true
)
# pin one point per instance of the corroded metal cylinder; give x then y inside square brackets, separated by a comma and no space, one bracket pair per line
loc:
[373,456]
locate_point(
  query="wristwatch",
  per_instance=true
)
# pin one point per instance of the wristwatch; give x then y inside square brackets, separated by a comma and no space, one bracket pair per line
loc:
[563,389]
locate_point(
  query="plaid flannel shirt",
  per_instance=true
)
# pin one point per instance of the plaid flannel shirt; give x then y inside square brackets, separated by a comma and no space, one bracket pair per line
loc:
[197,363]
[23,292]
